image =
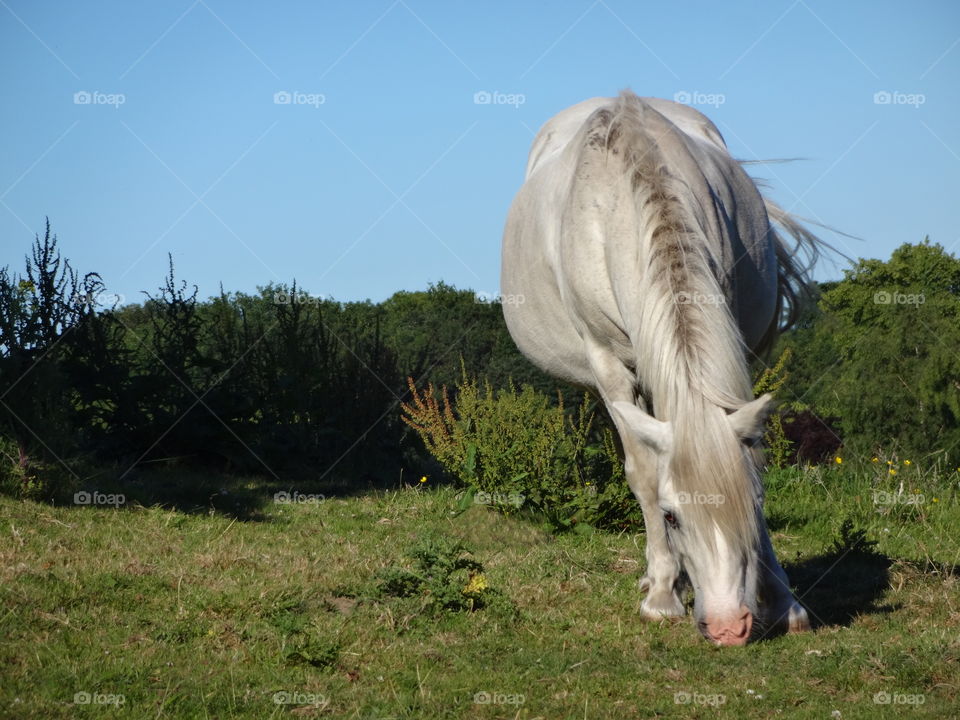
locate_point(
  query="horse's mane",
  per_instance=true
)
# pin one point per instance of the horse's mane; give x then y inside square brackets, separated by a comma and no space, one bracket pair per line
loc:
[690,356]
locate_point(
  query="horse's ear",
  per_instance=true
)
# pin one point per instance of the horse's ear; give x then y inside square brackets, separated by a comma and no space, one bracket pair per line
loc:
[653,433]
[750,420]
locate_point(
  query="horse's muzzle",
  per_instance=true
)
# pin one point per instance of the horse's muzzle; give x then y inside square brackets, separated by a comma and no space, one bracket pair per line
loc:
[729,630]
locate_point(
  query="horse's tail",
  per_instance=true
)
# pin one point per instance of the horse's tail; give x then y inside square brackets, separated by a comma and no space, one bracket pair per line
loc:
[794,264]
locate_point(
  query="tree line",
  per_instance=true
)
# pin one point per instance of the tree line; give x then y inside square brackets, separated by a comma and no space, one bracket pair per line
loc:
[280,382]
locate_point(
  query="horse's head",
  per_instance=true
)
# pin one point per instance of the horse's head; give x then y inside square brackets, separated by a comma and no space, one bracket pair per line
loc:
[710,499]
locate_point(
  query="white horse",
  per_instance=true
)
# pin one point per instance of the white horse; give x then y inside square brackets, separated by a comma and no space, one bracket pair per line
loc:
[649,268]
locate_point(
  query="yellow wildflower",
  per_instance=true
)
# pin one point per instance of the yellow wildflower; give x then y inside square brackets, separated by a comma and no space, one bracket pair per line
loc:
[477,584]
[875,460]
[907,462]
[892,471]
[423,479]
[838,460]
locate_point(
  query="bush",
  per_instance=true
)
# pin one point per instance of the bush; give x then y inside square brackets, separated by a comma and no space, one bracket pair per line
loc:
[40,311]
[812,439]
[516,450]
[443,574]
[795,434]
[880,354]
[769,381]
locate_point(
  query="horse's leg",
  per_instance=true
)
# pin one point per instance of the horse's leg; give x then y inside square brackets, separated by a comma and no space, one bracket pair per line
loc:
[663,569]
[780,608]
[616,383]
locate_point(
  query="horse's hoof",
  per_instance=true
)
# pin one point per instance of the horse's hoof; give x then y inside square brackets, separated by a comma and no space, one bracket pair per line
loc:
[798,621]
[657,607]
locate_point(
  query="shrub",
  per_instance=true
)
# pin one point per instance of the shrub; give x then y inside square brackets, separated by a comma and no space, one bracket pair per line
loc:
[516,450]
[40,311]
[443,574]
[796,434]
[813,439]
[769,381]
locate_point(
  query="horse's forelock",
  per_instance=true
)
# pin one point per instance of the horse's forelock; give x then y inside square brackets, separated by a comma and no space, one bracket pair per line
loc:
[720,481]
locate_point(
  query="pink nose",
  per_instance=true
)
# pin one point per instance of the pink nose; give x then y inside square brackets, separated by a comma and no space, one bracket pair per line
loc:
[731,630]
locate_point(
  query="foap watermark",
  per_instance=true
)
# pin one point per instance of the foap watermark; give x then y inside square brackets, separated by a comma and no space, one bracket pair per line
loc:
[488,298]
[886,97]
[292,498]
[486,498]
[699,498]
[498,698]
[296,697]
[699,98]
[898,298]
[85,97]
[295,97]
[485,97]
[85,497]
[897,698]
[295,298]
[94,698]
[894,498]
[101,298]
[685,697]
[685,297]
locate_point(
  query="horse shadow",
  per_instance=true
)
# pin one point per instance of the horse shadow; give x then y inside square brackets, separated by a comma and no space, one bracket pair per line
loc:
[848,580]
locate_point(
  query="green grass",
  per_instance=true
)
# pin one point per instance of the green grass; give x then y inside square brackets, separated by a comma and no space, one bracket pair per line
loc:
[190,612]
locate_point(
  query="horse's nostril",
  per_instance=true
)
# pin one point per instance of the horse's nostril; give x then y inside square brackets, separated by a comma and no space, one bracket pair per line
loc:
[730,631]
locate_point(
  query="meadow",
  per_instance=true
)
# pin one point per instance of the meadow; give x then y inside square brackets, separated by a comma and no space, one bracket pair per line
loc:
[209,596]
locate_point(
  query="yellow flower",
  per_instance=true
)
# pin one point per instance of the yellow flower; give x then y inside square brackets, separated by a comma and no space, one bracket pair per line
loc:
[423,479]
[875,460]
[477,584]
[890,462]
[907,462]
[936,500]
[838,460]
[892,471]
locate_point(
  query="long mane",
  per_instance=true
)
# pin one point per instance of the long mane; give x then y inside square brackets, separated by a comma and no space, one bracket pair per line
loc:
[691,362]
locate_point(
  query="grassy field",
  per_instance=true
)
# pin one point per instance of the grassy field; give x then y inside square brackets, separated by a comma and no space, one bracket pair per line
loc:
[235,605]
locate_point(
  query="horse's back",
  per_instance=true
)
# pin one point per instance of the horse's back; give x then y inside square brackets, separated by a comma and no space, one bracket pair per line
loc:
[559,130]
[574,232]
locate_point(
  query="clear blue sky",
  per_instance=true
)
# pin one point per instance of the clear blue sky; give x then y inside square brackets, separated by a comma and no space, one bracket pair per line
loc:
[398,178]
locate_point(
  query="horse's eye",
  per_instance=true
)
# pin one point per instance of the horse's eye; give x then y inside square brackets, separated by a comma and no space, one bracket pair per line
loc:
[671,520]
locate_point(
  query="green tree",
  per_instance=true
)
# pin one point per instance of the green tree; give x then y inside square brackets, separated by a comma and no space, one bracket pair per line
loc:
[432,330]
[882,354]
